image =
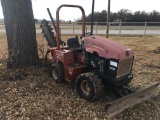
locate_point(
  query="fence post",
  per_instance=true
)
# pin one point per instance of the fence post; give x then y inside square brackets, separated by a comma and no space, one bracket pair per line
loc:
[145,25]
[96,27]
[73,27]
[120,24]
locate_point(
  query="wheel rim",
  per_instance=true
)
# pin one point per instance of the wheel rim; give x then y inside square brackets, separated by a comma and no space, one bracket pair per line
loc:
[54,74]
[85,87]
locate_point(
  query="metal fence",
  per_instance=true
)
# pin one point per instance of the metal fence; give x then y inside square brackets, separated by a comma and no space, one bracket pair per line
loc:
[115,28]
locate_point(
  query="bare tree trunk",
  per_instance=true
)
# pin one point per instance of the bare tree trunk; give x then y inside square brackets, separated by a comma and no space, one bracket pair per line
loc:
[20,31]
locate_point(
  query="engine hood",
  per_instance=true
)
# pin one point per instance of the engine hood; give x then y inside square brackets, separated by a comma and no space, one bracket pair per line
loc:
[107,48]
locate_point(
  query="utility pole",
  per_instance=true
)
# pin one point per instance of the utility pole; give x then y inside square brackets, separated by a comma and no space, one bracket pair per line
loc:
[92,17]
[108,19]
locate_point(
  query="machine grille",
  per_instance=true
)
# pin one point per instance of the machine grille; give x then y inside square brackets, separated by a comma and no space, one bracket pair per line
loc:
[124,66]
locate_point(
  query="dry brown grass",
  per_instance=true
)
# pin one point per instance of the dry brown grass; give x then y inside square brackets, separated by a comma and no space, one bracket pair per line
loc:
[30,93]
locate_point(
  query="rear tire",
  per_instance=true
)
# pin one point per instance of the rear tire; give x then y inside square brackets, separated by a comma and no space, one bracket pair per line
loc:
[57,72]
[89,86]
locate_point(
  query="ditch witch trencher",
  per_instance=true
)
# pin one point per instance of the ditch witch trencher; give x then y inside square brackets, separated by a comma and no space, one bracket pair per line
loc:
[92,63]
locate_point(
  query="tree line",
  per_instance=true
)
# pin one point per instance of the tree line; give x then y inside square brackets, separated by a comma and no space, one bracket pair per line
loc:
[125,15]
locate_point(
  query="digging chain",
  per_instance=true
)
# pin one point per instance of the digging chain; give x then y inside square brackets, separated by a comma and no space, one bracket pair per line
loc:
[49,35]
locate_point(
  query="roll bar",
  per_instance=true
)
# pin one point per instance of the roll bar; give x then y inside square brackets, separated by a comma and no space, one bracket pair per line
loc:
[57,21]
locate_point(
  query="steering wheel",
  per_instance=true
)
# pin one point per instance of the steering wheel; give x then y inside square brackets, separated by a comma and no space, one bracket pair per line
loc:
[88,33]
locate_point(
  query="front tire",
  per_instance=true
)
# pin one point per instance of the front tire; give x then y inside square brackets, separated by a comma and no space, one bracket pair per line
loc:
[57,72]
[89,86]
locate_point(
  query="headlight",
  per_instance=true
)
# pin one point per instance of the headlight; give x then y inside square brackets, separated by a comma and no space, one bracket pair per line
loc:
[115,64]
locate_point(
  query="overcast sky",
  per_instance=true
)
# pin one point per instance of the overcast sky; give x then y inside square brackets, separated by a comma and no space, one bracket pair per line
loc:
[40,12]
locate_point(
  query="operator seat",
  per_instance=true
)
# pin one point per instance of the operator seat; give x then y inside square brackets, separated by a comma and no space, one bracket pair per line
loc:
[74,45]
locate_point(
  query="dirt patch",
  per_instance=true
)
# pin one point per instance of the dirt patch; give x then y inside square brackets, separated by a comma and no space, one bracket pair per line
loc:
[30,93]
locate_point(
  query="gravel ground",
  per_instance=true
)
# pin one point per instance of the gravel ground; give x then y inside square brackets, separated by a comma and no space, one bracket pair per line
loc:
[30,93]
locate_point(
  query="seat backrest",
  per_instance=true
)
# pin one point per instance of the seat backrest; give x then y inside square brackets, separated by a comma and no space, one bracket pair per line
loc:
[73,44]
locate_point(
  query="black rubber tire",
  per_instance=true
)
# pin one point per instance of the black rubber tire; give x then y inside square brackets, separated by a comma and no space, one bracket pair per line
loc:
[94,84]
[58,69]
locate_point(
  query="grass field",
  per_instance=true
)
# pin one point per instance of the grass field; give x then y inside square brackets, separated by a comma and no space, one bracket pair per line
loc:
[30,93]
